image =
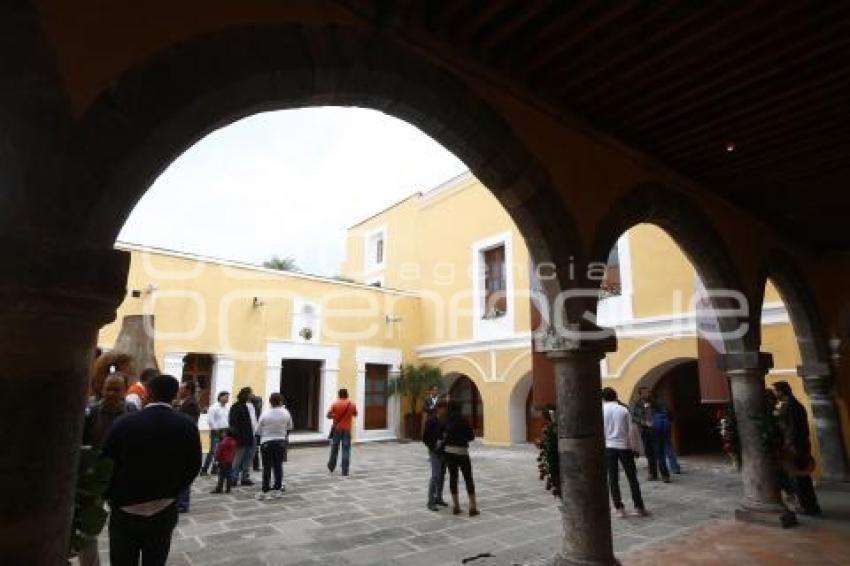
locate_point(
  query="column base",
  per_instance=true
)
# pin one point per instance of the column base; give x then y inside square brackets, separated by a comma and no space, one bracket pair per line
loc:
[780,517]
[561,560]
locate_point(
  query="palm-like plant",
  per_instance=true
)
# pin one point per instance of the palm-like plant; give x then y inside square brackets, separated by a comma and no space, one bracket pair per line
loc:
[412,383]
[281,264]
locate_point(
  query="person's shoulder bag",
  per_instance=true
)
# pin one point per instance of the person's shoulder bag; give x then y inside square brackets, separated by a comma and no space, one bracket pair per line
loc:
[337,421]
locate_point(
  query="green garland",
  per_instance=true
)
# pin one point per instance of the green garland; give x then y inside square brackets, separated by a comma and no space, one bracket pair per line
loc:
[547,461]
[89,511]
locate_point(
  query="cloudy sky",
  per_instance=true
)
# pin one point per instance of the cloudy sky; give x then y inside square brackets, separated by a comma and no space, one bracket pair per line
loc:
[287,183]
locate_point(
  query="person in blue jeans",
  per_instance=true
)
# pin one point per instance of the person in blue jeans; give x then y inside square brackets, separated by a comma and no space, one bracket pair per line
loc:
[342,412]
[661,436]
[243,422]
[433,437]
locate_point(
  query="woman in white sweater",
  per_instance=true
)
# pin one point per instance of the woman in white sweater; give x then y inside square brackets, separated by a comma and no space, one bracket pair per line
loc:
[273,429]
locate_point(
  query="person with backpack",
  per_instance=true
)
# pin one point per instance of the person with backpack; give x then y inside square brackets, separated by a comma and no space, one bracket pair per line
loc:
[434,439]
[661,436]
[342,412]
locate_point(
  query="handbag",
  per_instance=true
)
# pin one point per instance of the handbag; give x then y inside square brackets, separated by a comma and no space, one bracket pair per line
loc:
[336,422]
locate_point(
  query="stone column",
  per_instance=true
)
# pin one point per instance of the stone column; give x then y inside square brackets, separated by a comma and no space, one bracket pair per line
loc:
[52,303]
[762,502]
[585,510]
[817,379]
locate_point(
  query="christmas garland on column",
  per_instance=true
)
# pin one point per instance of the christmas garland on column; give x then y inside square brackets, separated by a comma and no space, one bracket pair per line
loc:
[547,460]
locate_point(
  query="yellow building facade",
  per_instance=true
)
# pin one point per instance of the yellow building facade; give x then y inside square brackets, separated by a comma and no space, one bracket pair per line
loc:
[444,278]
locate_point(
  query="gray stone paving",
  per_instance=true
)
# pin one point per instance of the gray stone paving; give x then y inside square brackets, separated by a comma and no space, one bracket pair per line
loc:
[378,514]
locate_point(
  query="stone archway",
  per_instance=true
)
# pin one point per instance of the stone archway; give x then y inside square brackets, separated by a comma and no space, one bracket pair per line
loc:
[160,108]
[683,221]
[815,369]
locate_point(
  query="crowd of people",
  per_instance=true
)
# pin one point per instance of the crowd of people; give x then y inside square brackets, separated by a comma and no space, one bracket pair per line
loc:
[148,427]
[646,430]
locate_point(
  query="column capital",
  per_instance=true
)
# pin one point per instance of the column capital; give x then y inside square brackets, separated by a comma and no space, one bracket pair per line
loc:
[576,339]
[50,279]
[745,361]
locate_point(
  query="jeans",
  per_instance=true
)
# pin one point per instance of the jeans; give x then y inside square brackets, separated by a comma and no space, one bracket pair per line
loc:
[272,455]
[340,437]
[455,462]
[670,453]
[661,446]
[256,457]
[438,477]
[215,438]
[613,458]
[134,537]
[647,435]
[242,464]
[224,479]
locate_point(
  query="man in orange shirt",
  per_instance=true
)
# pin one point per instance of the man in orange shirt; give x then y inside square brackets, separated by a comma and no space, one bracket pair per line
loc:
[137,394]
[342,412]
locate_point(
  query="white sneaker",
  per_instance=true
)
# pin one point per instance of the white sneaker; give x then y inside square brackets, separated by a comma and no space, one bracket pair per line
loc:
[261,496]
[621,512]
[275,494]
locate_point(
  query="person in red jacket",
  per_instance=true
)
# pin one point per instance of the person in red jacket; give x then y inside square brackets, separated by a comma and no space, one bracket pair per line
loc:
[224,455]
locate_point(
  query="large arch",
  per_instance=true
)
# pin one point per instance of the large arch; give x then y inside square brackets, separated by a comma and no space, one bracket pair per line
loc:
[683,221]
[158,109]
[815,369]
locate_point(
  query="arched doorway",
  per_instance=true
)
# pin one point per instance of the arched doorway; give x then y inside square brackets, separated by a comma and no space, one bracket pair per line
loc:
[676,386]
[464,391]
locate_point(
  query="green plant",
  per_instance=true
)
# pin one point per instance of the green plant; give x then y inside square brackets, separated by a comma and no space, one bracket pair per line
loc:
[413,382]
[90,514]
[281,264]
[548,460]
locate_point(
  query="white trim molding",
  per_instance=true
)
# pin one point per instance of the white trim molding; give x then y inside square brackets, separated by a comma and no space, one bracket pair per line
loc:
[278,350]
[441,349]
[391,357]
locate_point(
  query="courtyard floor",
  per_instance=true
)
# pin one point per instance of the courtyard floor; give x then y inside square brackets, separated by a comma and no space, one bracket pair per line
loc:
[378,516]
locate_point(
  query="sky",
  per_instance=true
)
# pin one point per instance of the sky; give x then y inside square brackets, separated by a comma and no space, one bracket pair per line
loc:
[287,183]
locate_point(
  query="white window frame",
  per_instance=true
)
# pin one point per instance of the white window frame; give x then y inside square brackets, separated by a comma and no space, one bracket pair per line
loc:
[391,357]
[619,309]
[370,238]
[487,329]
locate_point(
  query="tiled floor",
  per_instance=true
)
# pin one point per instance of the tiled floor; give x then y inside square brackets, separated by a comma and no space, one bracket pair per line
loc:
[378,516]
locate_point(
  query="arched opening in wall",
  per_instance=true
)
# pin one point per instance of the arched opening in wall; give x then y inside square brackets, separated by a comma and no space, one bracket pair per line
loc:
[266,73]
[675,386]
[525,421]
[669,337]
[464,391]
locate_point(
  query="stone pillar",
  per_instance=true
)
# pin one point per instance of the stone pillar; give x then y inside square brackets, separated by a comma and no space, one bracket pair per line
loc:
[762,502]
[585,510]
[52,303]
[817,380]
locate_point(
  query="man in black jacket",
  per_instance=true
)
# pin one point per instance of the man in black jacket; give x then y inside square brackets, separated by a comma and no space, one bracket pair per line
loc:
[156,452]
[243,422]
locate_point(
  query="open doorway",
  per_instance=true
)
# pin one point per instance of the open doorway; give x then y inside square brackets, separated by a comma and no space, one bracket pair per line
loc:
[301,386]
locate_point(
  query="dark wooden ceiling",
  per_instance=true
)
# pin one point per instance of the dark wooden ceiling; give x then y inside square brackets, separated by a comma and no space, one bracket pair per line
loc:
[680,81]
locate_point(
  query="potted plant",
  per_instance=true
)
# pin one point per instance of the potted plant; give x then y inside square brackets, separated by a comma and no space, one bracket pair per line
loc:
[412,383]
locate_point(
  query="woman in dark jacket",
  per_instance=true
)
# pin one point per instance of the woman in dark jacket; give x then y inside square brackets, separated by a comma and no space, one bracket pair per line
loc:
[243,422]
[458,433]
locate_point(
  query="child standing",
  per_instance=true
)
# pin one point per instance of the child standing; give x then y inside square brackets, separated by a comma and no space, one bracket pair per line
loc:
[224,455]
